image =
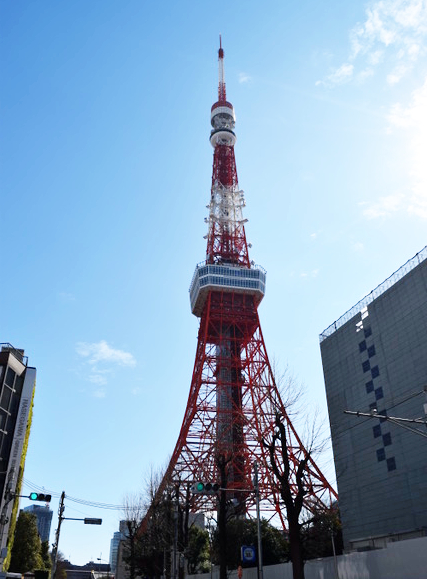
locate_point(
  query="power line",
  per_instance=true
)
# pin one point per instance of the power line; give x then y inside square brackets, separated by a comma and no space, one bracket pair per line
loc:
[394,420]
[398,403]
[106,506]
[96,505]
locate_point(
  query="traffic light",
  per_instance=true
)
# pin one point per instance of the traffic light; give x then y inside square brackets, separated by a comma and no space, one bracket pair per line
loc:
[93,521]
[40,497]
[203,488]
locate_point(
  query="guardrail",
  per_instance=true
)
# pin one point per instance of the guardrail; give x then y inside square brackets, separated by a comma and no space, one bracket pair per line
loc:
[375,293]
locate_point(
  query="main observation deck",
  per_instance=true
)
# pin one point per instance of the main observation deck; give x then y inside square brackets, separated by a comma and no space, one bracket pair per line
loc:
[208,277]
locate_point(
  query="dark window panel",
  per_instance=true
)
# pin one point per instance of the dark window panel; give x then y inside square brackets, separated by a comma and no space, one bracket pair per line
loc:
[384,413]
[380,454]
[362,346]
[371,351]
[379,393]
[369,386]
[391,463]
[5,397]
[387,439]
[377,430]
[10,377]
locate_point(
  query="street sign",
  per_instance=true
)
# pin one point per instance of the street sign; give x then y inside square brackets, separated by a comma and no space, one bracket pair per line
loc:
[248,554]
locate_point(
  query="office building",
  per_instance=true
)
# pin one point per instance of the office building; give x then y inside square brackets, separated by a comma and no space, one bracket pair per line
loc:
[375,361]
[17,384]
[44,519]
[114,548]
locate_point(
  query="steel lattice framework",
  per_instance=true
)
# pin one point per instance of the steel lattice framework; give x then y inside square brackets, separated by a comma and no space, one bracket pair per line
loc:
[233,399]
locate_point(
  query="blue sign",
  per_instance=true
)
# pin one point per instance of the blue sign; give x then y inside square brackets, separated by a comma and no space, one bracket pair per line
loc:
[248,554]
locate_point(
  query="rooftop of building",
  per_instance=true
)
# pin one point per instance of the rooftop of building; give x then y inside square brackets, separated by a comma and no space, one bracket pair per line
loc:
[375,293]
[7,348]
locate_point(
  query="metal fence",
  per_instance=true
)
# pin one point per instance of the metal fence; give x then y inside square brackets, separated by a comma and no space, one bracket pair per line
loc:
[375,293]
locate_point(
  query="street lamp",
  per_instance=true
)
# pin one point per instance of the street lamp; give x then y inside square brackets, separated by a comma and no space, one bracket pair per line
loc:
[256,487]
[100,561]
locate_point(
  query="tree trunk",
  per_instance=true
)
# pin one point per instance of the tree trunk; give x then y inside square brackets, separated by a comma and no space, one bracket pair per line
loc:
[296,550]
[222,532]
[132,573]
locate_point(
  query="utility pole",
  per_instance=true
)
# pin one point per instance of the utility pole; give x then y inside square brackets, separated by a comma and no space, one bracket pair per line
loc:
[58,530]
[175,539]
[61,509]
[256,487]
[334,553]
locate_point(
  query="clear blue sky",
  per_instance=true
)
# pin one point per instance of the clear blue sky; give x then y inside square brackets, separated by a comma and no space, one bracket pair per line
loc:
[105,174]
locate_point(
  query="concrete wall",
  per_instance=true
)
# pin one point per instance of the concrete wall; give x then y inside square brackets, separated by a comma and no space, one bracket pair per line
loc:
[377,360]
[400,560]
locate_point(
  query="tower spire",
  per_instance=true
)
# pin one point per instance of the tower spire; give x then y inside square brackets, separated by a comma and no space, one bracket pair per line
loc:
[221,79]
[226,234]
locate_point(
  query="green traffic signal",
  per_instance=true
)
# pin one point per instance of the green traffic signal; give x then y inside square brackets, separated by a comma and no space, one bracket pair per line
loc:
[205,488]
[40,497]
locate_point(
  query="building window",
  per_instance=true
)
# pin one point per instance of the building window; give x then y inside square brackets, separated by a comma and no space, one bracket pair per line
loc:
[5,397]
[367,332]
[366,366]
[380,454]
[387,439]
[384,413]
[3,417]
[379,393]
[10,377]
[377,430]
[375,372]
[369,387]
[371,351]
[362,346]
[391,464]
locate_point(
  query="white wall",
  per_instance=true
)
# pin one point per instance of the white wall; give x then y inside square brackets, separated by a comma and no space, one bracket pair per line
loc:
[400,560]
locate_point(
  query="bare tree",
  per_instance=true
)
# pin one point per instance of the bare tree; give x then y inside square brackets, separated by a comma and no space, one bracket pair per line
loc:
[133,511]
[293,486]
[156,530]
[291,390]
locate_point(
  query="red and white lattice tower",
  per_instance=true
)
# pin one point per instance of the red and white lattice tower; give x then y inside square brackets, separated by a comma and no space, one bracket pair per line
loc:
[233,397]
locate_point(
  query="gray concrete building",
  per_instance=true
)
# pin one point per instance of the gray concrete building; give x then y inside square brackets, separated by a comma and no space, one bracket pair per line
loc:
[375,361]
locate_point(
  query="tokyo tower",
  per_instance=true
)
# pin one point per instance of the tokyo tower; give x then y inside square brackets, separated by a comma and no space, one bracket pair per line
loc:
[233,399]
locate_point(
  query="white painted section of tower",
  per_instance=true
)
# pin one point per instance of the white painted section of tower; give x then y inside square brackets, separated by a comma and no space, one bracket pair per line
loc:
[223,136]
[224,109]
[214,277]
[226,208]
